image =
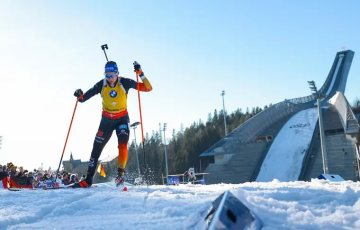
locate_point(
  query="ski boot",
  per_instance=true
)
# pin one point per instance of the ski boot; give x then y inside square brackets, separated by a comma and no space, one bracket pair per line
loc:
[83,184]
[120,179]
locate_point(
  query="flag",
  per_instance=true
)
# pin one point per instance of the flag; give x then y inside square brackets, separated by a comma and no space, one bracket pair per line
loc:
[343,47]
[101,170]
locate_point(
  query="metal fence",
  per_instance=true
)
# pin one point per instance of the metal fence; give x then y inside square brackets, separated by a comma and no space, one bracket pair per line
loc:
[251,128]
[261,121]
[302,100]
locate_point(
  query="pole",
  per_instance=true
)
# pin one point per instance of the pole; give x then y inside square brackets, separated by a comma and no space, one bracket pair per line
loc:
[223,93]
[62,155]
[137,157]
[142,129]
[166,160]
[322,139]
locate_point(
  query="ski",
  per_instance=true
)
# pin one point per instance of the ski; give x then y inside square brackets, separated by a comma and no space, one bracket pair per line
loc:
[72,186]
[14,189]
[124,188]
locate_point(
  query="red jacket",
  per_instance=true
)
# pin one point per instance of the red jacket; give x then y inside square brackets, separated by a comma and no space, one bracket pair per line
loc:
[14,184]
[5,182]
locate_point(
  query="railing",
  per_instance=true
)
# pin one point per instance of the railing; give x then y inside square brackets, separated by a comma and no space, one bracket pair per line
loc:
[301,100]
[252,127]
[347,116]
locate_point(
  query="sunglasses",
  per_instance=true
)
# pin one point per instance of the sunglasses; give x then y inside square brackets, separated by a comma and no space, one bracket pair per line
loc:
[110,75]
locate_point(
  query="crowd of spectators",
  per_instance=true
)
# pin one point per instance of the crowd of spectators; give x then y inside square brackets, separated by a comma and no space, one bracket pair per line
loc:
[12,176]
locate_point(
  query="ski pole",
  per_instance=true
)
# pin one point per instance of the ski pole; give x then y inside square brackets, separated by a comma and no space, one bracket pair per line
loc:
[103,47]
[141,122]
[67,138]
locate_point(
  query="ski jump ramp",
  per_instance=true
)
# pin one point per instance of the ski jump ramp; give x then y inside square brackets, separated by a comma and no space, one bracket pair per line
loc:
[283,155]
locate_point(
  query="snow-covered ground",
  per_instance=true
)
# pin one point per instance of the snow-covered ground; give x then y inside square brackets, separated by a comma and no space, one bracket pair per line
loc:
[286,154]
[279,205]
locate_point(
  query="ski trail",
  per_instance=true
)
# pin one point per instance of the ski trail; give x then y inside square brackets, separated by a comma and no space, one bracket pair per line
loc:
[106,207]
[47,209]
[145,199]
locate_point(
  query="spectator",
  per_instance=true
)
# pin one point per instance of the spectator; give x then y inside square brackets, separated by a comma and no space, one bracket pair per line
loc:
[82,178]
[72,178]
[55,181]
[21,172]
[15,181]
[65,179]
[30,177]
[12,176]
[3,178]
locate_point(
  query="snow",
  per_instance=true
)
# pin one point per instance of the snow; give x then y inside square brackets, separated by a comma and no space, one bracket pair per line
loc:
[318,204]
[286,154]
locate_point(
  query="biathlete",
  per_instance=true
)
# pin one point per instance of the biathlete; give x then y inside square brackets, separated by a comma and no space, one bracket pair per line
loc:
[113,90]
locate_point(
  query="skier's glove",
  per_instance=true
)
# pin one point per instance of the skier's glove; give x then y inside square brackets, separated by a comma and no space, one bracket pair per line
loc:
[78,93]
[138,70]
[137,67]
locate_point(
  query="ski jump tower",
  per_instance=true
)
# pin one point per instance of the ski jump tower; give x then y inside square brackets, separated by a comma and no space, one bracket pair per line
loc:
[242,155]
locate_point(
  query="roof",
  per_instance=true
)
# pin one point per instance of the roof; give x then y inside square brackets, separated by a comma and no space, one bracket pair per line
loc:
[206,154]
[216,149]
[74,161]
[108,159]
[80,169]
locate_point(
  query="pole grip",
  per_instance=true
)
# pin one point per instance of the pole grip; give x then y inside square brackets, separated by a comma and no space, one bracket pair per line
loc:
[103,47]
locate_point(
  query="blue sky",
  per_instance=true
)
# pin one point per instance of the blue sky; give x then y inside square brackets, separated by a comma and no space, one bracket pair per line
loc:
[259,52]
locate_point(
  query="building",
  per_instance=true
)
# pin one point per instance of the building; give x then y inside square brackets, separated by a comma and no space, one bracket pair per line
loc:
[247,153]
[75,166]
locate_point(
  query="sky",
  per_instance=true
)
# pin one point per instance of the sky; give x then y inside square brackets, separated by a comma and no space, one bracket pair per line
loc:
[259,52]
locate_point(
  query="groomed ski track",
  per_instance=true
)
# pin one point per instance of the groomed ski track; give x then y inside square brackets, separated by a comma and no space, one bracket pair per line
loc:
[279,205]
[104,207]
